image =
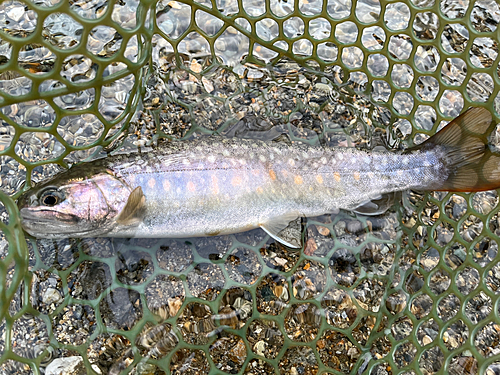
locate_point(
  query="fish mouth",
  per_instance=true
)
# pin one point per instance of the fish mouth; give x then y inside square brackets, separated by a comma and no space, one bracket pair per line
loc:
[45,215]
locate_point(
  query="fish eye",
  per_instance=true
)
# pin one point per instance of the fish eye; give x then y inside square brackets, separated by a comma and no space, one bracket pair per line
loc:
[51,197]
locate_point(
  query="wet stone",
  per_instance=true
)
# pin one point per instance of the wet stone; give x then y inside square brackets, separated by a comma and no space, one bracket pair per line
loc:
[74,324]
[212,248]
[448,307]
[243,265]
[337,351]
[339,309]
[431,361]
[377,258]
[308,280]
[228,353]
[478,308]
[46,291]
[272,294]
[121,308]
[467,280]
[396,302]
[205,281]
[278,257]
[487,339]
[485,251]
[29,337]
[493,279]
[165,295]
[10,366]
[265,338]
[402,328]
[298,360]
[156,341]
[344,267]
[464,364]
[259,367]
[404,354]
[196,323]
[456,335]
[369,294]
[429,259]
[110,352]
[414,282]
[235,308]
[302,322]
[421,306]
[439,282]
[98,247]
[174,256]
[455,256]
[133,267]
[89,280]
[380,348]
[427,332]
[189,362]
[60,254]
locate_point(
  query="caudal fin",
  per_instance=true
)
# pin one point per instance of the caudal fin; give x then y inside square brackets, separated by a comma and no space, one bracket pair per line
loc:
[472,165]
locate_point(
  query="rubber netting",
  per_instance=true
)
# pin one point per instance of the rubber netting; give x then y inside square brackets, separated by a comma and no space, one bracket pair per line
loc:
[414,291]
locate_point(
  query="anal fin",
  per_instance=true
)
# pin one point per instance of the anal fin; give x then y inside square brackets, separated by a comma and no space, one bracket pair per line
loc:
[377,206]
[285,229]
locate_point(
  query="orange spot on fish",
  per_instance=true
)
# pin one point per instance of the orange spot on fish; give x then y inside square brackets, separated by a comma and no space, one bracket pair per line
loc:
[272,174]
[298,180]
[215,184]
[356,176]
[260,190]
[336,176]
[319,178]
[236,181]
[191,187]
[151,183]
[166,185]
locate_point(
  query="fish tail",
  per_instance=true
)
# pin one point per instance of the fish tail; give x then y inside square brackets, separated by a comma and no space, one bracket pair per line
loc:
[470,163]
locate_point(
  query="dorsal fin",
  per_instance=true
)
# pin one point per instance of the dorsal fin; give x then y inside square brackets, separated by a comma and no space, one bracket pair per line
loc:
[135,203]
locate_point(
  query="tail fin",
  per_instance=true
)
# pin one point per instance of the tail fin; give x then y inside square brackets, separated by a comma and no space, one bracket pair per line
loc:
[472,165]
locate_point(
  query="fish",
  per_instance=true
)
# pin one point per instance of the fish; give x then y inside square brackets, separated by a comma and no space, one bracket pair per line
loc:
[215,186]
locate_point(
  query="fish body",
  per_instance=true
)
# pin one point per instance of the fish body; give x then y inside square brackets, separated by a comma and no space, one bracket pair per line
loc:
[218,186]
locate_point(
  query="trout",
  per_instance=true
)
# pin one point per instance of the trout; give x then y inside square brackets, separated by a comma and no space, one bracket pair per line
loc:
[216,186]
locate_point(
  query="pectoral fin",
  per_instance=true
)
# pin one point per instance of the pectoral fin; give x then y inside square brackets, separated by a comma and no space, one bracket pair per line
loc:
[378,205]
[285,229]
[130,214]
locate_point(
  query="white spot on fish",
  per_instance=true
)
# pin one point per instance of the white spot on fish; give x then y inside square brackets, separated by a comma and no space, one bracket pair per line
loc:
[340,156]
[291,162]
[225,153]
[186,162]
[366,159]
[406,160]
[211,159]
[262,158]
[323,160]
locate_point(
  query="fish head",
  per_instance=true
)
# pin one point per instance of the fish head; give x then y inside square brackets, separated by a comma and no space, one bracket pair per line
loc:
[70,206]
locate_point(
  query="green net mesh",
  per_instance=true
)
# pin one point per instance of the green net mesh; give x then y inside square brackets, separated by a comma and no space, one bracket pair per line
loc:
[414,291]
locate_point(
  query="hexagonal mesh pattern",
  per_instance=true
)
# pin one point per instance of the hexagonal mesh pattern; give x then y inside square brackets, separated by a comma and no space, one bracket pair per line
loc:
[414,291]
